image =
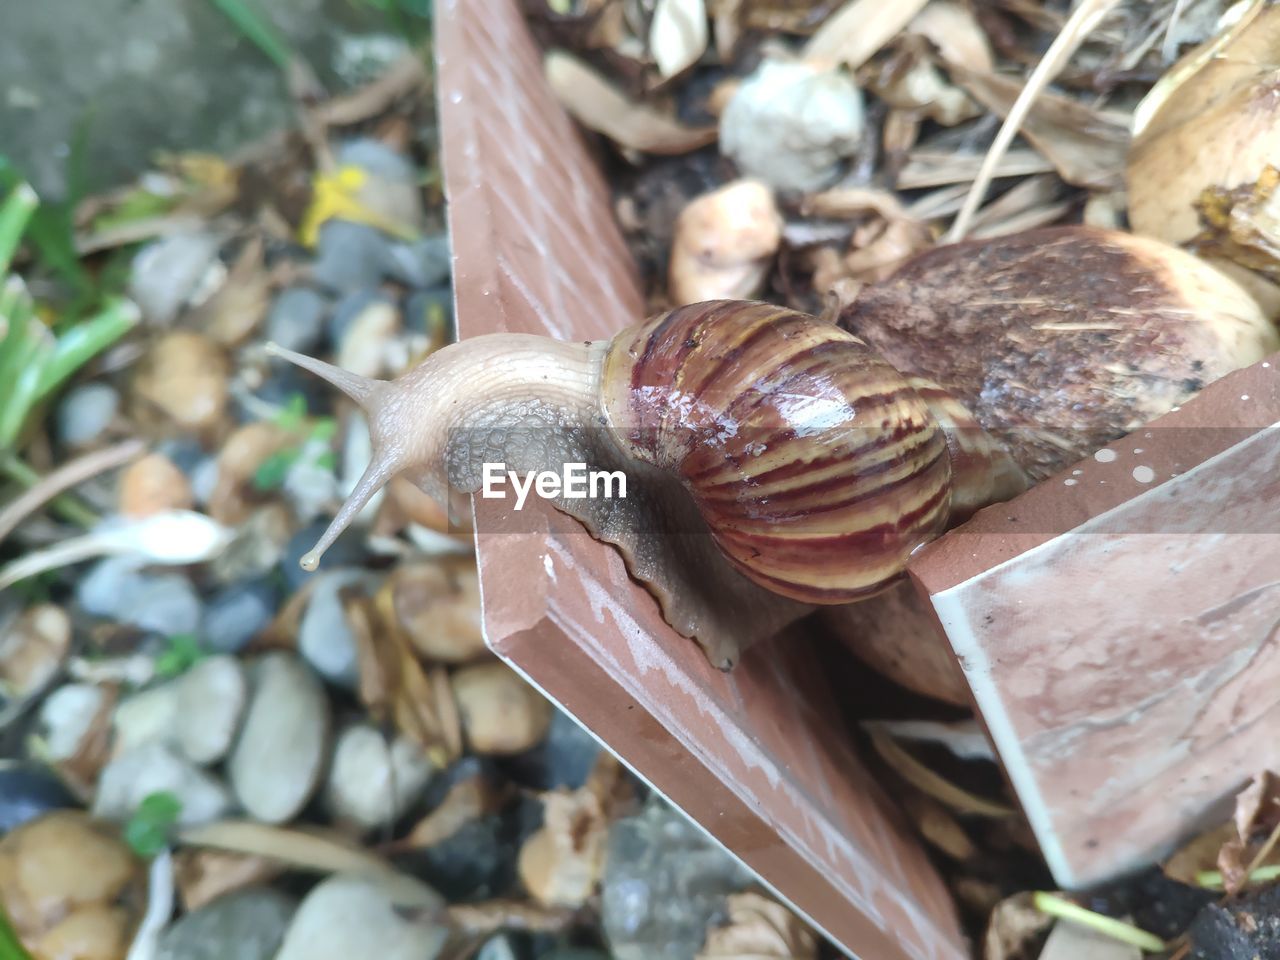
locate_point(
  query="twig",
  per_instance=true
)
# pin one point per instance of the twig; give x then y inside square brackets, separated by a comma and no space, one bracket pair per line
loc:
[1213,879]
[44,489]
[1064,909]
[1081,23]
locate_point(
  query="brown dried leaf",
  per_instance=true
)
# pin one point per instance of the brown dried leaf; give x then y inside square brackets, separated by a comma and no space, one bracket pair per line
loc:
[938,827]
[858,31]
[930,167]
[600,106]
[1087,147]
[204,875]
[677,35]
[1242,225]
[238,306]
[759,929]
[404,78]
[935,786]
[953,29]
[493,915]
[1198,855]
[1258,805]
[466,800]
[80,770]
[33,646]
[394,686]
[1014,926]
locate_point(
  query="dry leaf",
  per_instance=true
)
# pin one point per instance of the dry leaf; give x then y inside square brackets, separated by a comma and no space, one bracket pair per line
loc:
[395,687]
[927,167]
[1015,924]
[238,306]
[952,28]
[1198,855]
[1258,805]
[80,770]
[33,646]
[494,915]
[677,35]
[938,827]
[1087,147]
[600,106]
[858,31]
[759,929]
[204,875]
[924,779]
[466,800]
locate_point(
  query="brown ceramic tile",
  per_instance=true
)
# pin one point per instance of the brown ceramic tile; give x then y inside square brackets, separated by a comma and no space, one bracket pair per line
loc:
[757,757]
[1117,625]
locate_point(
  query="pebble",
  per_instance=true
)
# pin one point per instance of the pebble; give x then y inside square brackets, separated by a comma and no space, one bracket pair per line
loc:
[27,791]
[153,484]
[258,545]
[369,348]
[479,860]
[163,603]
[372,783]
[279,756]
[155,768]
[197,713]
[438,605]
[350,307]
[85,413]
[184,376]
[664,882]
[325,639]
[67,717]
[793,125]
[347,551]
[501,714]
[204,480]
[167,272]
[377,158]
[248,924]
[355,916]
[296,320]
[33,646]
[563,760]
[422,264]
[419,306]
[63,875]
[237,614]
[350,256]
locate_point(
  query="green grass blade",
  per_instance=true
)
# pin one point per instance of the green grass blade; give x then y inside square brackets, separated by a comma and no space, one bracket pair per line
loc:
[15,214]
[51,233]
[10,946]
[81,343]
[257,29]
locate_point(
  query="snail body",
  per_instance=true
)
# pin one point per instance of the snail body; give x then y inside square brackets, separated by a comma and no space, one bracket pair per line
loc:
[816,456]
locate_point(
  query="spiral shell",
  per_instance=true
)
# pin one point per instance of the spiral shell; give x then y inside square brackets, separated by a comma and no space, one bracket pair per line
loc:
[815,464]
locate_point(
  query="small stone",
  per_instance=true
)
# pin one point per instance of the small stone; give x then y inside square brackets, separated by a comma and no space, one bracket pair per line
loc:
[665,882]
[95,932]
[421,264]
[155,768]
[325,639]
[153,484]
[350,256]
[197,713]
[184,376]
[27,791]
[85,413]
[204,480]
[355,916]
[430,311]
[369,347]
[53,867]
[296,320]
[498,948]
[67,718]
[33,646]
[377,158]
[350,307]
[476,862]
[100,591]
[437,603]
[372,783]
[278,758]
[166,604]
[258,545]
[562,761]
[237,614]
[167,272]
[793,125]
[347,551]
[248,924]
[501,714]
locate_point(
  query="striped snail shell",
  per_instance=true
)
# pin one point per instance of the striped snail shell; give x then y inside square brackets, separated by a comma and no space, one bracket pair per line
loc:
[816,466]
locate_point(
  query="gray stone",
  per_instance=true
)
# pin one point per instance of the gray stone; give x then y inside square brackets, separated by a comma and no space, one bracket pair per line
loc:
[248,924]
[136,76]
[197,713]
[325,639]
[296,320]
[155,768]
[419,306]
[377,158]
[85,412]
[664,883]
[166,272]
[279,756]
[421,264]
[28,790]
[237,614]
[162,603]
[372,782]
[349,308]
[351,256]
[358,916]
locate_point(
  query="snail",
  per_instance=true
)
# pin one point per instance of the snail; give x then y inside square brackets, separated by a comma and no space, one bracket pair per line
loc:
[779,461]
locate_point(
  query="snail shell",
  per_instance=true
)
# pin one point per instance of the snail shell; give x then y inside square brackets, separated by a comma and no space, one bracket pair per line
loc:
[816,466]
